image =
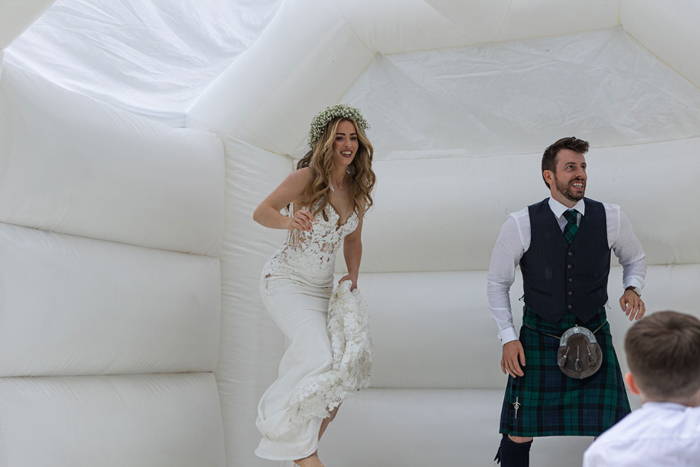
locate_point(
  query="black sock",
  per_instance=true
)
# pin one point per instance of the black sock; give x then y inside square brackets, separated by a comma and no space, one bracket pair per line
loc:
[512,454]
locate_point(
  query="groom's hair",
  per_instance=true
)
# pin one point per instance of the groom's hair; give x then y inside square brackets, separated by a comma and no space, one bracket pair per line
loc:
[663,353]
[549,158]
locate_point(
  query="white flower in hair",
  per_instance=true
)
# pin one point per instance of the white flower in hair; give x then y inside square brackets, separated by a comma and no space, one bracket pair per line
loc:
[318,124]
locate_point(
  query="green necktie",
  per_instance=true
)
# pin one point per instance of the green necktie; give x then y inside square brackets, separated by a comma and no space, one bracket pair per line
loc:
[571,228]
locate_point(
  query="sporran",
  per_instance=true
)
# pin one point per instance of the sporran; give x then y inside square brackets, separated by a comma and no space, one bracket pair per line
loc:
[579,354]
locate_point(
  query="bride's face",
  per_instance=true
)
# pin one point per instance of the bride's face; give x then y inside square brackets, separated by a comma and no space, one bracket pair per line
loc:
[345,145]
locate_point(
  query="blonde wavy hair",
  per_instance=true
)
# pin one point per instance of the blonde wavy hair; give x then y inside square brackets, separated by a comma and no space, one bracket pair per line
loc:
[320,159]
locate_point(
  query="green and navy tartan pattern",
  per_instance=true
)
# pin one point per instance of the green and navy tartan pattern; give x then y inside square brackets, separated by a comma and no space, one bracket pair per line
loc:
[551,403]
[571,227]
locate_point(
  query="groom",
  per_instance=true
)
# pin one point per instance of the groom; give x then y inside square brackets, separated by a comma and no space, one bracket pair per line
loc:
[563,246]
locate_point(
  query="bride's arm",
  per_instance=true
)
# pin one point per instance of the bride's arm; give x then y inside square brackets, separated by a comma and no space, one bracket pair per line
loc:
[352,250]
[268,212]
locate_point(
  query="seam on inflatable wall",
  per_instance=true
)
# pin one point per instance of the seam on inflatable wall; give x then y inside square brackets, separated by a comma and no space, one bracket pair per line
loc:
[619,12]
[115,242]
[34,17]
[364,70]
[397,159]
[697,85]
[352,30]
[449,20]
[186,112]
[505,18]
[613,265]
[478,44]
[221,274]
[220,244]
[201,126]
[431,388]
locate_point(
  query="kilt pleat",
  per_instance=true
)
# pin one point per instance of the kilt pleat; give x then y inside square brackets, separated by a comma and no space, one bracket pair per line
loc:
[551,403]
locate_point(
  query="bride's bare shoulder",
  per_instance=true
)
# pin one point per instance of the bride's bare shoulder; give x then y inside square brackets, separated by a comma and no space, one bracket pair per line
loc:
[306,172]
[301,177]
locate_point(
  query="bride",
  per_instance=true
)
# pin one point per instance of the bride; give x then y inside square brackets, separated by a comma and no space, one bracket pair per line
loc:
[327,197]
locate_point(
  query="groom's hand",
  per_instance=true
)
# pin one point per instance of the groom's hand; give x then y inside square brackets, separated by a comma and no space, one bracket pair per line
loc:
[632,305]
[513,357]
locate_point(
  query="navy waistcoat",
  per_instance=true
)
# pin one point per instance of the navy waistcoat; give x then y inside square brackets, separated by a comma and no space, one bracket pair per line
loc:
[560,278]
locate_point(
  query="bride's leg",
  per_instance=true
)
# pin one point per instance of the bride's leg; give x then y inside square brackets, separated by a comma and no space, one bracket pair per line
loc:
[311,461]
[326,421]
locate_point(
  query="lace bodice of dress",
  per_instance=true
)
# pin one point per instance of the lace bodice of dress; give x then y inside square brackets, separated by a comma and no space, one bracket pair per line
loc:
[311,255]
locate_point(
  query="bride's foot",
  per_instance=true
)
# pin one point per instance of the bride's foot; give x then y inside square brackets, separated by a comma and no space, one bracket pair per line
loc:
[311,461]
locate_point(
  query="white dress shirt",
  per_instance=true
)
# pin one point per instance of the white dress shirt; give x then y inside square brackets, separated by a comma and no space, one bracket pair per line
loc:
[660,434]
[514,241]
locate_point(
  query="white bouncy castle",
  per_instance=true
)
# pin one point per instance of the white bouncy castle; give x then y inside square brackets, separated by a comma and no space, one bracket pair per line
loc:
[137,137]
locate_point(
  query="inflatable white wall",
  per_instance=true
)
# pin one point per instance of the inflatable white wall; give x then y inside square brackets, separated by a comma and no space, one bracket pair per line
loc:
[130,260]
[110,231]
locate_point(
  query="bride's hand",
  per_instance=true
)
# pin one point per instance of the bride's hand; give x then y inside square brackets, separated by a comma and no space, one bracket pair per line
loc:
[301,220]
[349,278]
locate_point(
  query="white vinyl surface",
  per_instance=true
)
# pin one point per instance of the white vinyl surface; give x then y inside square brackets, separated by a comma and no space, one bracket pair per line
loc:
[112,421]
[151,58]
[380,428]
[451,223]
[433,330]
[18,15]
[667,29]
[517,97]
[251,344]
[129,260]
[110,232]
[76,166]
[268,96]
[79,306]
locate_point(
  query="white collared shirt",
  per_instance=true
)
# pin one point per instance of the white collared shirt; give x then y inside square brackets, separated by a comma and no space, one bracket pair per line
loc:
[660,434]
[514,241]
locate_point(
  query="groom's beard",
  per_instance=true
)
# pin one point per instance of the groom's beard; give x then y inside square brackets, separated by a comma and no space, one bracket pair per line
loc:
[565,189]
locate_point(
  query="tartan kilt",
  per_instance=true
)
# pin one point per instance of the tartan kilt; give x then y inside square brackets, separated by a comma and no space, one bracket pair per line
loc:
[553,404]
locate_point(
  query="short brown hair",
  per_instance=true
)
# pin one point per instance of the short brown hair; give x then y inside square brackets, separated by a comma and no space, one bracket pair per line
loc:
[549,158]
[663,353]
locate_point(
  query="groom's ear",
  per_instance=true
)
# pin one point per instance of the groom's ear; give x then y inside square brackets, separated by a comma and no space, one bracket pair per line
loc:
[548,177]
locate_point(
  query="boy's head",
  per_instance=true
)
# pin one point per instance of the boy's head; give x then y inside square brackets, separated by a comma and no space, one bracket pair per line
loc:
[663,353]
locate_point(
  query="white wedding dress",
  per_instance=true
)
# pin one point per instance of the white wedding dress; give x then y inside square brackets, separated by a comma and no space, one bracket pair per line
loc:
[330,352]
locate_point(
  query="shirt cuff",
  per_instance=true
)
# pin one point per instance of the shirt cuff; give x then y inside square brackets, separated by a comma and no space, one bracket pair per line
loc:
[507,335]
[634,282]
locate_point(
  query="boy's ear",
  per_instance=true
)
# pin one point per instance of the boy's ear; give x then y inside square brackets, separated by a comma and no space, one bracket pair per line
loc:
[697,399]
[632,384]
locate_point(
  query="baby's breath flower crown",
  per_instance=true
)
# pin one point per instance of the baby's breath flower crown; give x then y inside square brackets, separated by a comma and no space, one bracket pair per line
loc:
[318,124]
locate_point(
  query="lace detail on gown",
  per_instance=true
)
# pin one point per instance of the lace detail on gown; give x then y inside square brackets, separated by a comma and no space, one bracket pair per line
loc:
[348,329]
[311,255]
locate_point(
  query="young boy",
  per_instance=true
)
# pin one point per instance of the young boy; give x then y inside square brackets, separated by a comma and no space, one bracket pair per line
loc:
[663,353]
